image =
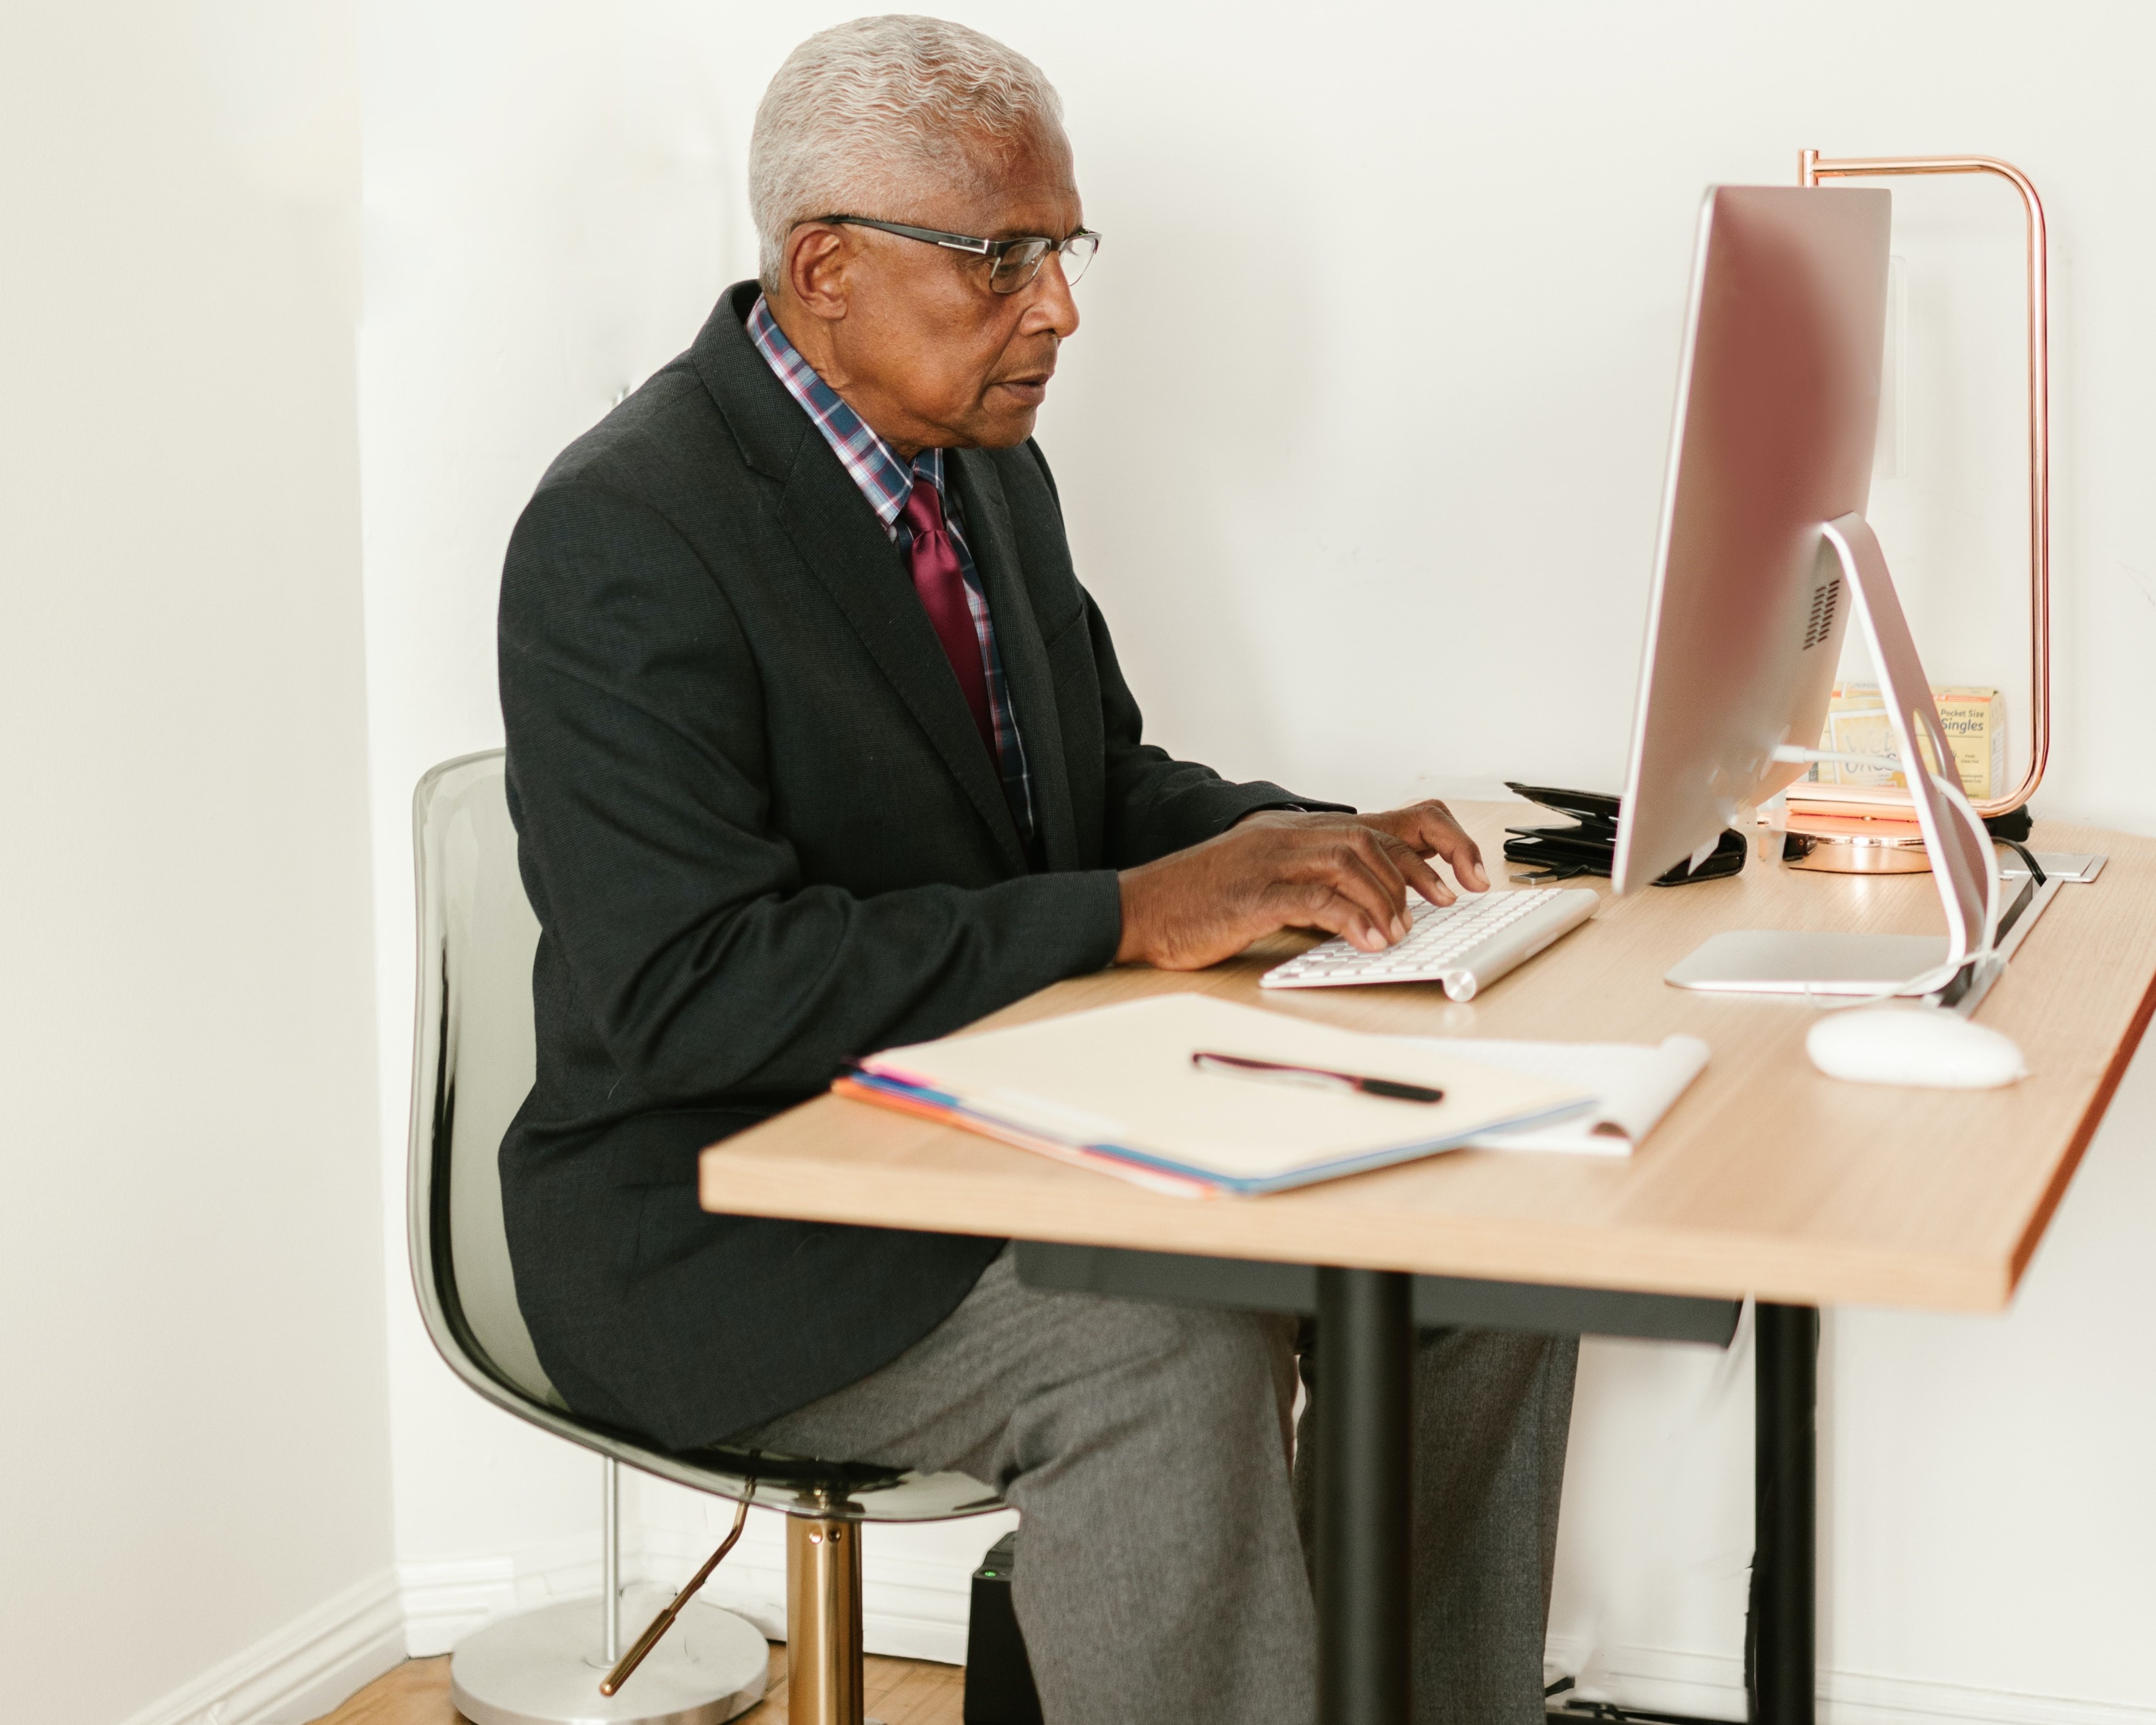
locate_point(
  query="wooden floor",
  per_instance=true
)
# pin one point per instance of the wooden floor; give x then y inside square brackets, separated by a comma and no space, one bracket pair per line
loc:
[900,1691]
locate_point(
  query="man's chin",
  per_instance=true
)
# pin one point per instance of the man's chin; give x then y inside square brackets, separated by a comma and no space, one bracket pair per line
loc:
[1006,428]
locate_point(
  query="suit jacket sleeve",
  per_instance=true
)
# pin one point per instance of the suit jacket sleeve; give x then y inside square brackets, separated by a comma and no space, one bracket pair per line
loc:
[637,770]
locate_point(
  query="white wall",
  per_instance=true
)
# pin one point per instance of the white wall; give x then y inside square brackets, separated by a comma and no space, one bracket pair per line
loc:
[496,139]
[1370,409]
[549,192]
[195,1447]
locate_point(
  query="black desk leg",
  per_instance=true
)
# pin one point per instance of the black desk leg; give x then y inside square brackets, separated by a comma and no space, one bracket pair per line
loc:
[1781,1652]
[1365,1361]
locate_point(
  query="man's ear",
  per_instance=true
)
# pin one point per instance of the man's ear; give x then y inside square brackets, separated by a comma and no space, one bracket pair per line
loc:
[816,254]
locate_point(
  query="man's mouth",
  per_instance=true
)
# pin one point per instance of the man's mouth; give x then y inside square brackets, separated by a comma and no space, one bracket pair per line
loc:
[1031,390]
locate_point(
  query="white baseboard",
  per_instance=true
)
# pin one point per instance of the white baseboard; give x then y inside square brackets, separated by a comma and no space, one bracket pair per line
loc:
[1853,1699]
[1654,1680]
[300,1671]
[1712,1687]
[917,1610]
[446,1598]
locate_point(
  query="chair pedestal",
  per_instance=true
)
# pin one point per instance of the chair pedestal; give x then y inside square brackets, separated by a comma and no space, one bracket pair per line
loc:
[543,1668]
[824,1682]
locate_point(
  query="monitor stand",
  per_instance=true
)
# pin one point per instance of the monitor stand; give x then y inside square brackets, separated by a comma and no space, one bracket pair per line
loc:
[1777,961]
[1805,962]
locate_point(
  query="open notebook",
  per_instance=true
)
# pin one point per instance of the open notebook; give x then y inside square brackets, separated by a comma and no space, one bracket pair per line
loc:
[1115,1088]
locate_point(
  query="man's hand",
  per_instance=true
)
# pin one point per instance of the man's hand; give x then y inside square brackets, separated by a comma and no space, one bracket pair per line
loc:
[1346,874]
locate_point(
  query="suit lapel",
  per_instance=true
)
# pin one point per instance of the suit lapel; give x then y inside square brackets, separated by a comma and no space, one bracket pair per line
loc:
[843,544]
[993,542]
[846,550]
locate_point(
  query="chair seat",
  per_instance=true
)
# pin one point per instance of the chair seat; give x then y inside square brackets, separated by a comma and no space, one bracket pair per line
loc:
[794,1484]
[838,1491]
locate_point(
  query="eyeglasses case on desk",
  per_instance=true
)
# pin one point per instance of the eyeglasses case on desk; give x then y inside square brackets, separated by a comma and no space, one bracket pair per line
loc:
[1588,846]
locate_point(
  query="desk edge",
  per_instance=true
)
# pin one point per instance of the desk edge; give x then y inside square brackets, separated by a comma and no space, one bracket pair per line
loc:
[2093,1116]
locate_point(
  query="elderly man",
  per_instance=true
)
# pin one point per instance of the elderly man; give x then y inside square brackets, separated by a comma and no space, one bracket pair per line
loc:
[817,746]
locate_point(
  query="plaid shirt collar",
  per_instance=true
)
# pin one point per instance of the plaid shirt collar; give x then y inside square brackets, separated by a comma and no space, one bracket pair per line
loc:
[885,480]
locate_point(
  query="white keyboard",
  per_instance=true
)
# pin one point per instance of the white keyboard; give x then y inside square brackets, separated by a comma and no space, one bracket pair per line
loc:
[1466,945]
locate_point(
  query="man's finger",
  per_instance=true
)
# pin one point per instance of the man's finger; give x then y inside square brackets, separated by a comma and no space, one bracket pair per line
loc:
[1356,868]
[1402,873]
[1384,856]
[1342,863]
[1405,824]
[1435,831]
[1318,906]
[1417,874]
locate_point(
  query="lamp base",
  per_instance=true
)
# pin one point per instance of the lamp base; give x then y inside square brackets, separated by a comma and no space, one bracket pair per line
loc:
[1846,844]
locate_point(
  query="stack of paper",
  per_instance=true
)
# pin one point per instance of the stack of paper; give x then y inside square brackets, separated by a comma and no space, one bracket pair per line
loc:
[1116,1088]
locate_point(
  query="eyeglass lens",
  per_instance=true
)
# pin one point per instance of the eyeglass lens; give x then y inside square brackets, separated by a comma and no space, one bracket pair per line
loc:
[1016,268]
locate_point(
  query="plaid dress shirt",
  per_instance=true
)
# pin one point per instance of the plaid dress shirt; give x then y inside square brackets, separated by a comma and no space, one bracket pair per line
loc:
[887,482]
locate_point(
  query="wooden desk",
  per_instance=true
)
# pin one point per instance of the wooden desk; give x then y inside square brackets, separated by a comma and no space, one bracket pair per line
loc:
[1767,1180]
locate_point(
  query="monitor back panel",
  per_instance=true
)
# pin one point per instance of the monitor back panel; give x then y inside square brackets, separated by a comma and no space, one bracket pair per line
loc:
[1778,408]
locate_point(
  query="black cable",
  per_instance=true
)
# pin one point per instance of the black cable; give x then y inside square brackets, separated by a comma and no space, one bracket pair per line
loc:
[2028,857]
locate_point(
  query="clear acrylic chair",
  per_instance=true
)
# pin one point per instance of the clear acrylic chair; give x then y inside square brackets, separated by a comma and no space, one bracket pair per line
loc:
[472,1065]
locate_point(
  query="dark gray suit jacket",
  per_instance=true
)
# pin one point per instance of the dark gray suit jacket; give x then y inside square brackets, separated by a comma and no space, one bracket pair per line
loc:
[762,836]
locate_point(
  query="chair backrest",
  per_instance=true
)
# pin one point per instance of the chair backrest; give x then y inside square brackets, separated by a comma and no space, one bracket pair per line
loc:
[472,1067]
[473,1060]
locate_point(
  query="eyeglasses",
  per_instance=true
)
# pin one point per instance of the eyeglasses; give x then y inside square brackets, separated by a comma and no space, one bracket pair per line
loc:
[1013,264]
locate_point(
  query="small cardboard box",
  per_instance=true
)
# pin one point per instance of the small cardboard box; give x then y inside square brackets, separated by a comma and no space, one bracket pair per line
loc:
[1975,721]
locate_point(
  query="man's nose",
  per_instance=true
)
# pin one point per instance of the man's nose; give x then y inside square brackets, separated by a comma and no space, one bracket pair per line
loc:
[1053,307]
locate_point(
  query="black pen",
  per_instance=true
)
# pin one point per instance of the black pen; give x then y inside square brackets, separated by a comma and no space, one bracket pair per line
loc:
[1316,1077]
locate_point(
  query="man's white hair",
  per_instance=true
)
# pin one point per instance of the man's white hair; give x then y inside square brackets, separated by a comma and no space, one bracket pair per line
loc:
[861,109]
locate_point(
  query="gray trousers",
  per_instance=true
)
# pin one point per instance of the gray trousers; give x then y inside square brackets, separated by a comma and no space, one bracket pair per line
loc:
[1145,1446]
[1492,1411]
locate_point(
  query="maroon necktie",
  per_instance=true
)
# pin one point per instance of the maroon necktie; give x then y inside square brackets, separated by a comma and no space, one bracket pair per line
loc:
[933,560]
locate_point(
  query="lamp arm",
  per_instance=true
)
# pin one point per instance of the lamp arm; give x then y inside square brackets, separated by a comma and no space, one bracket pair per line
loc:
[1811,169]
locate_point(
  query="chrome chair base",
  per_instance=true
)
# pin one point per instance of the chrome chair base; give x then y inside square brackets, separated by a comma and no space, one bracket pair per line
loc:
[544,1667]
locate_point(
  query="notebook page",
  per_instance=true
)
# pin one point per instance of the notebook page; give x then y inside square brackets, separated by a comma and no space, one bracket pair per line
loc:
[1121,1076]
[1635,1084]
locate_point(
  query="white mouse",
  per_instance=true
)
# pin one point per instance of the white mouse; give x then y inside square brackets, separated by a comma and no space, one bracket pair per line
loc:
[1915,1045]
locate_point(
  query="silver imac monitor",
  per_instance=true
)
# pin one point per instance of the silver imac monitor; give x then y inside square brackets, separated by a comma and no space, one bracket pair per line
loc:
[1763,556]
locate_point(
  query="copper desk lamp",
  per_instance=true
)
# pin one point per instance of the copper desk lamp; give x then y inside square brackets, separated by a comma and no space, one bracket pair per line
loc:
[1865,831]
